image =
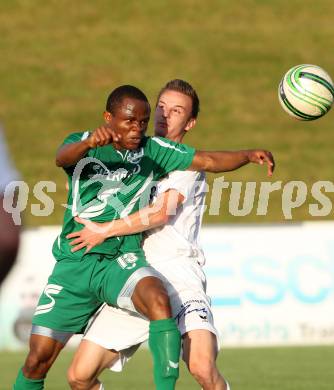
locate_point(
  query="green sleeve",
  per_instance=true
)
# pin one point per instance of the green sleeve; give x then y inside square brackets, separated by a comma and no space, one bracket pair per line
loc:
[71,139]
[170,156]
[75,137]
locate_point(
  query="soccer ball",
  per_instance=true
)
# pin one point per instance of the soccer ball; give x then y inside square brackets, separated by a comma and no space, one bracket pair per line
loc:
[306,92]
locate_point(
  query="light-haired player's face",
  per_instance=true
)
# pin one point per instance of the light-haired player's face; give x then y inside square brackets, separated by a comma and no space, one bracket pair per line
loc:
[173,114]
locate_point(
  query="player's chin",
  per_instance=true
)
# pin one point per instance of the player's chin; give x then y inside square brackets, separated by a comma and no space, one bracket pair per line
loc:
[133,144]
[161,131]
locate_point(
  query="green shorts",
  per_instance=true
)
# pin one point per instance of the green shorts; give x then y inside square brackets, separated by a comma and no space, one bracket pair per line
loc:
[76,289]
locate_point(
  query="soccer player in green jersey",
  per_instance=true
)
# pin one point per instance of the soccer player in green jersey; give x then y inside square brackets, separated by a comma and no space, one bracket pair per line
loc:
[110,171]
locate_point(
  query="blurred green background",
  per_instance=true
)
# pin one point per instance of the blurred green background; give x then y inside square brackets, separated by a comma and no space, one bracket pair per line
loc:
[60,60]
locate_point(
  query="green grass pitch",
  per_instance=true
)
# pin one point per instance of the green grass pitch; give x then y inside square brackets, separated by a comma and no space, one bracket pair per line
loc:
[293,368]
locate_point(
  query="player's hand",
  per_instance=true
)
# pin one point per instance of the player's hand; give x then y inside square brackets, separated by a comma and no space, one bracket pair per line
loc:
[91,235]
[101,136]
[261,157]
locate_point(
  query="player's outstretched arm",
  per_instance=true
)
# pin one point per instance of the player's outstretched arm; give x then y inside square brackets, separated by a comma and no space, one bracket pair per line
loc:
[229,161]
[70,154]
[158,214]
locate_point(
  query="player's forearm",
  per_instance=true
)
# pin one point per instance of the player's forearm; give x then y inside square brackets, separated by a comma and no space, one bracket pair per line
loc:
[70,154]
[219,161]
[145,219]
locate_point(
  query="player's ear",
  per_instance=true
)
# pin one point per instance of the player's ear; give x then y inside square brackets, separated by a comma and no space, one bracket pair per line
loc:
[191,123]
[107,116]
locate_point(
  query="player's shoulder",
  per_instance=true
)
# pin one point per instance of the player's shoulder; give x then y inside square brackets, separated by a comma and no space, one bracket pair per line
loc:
[76,136]
[182,180]
[187,176]
[166,143]
[155,141]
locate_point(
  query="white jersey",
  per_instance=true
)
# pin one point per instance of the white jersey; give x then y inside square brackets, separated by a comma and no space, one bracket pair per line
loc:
[175,253]
[180,236]
[7,171]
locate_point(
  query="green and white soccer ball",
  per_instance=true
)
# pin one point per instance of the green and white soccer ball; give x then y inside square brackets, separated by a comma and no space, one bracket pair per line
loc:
[306,92]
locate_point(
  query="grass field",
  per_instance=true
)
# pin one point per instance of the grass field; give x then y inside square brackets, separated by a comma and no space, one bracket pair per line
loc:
[61,60]
[298,368]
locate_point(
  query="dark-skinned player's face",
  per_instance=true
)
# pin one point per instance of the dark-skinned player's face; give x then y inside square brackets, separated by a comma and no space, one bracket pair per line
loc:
[129,123]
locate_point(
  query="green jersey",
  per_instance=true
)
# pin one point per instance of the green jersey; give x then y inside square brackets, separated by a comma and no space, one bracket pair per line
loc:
[108,184]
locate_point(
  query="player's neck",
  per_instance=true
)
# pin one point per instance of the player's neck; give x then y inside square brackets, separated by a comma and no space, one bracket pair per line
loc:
[177,138]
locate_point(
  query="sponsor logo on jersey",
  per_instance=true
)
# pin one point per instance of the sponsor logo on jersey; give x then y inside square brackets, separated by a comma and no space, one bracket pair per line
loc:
[134,156]
[193,306]
[112,184]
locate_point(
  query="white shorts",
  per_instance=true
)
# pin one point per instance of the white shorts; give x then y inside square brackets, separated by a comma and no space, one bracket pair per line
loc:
[121,330]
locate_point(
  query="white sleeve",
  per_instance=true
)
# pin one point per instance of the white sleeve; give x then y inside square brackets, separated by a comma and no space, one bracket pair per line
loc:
[7,171]
[183,182]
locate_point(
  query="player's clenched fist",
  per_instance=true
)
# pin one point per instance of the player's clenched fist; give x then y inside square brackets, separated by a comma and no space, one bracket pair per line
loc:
[101,136]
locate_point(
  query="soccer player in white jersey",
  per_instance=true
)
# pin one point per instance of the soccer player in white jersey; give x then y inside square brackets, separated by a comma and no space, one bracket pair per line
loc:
[9,232]
[173,249]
